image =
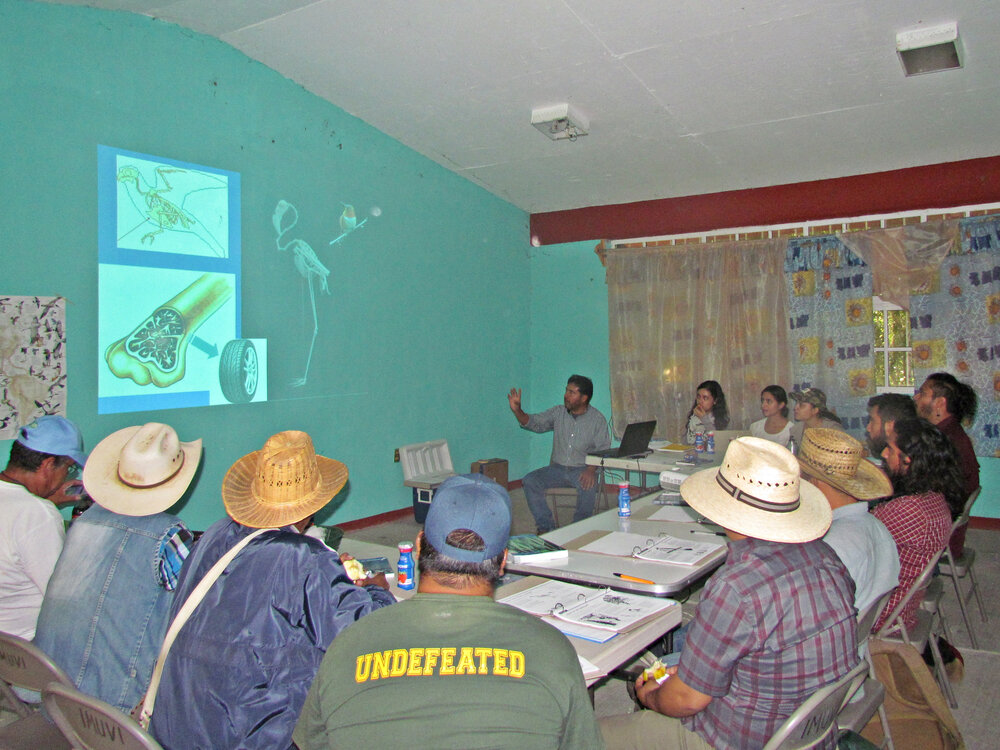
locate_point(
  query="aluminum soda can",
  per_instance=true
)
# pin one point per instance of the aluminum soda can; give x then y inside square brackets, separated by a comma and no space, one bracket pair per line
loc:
[404,568]
[624,500]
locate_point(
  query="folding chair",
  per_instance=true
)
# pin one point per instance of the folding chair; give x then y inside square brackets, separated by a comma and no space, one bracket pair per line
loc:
[24,665]
[956,568]
[870,698]
[925,633]
[816,719]
[92,724]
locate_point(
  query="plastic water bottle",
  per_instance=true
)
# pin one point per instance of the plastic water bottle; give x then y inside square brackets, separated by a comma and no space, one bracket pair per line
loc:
[710,442]
[624,501]
[404,568]
[792,446]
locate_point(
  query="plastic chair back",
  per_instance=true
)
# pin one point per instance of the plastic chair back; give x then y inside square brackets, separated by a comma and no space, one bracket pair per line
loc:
[815,719]
[92,724]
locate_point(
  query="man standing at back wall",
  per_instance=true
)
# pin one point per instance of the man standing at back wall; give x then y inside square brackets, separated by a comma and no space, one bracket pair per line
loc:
[577,428]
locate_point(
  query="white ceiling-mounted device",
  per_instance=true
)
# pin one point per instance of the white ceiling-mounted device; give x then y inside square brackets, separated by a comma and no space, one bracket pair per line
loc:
[929,49]
[560,121]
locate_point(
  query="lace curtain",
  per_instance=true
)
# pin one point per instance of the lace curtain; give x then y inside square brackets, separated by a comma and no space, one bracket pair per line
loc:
[683,314]
[830,317]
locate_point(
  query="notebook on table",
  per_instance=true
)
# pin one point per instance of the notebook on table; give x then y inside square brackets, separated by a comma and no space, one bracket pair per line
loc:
[635,442]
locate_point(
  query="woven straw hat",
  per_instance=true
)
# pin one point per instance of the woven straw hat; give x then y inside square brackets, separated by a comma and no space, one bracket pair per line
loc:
[142,470]
[757,492]
[834,457]
[282,483]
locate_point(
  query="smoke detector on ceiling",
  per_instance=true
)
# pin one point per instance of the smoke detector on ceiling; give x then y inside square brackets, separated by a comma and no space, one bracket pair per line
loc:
[929,49]
[559,122]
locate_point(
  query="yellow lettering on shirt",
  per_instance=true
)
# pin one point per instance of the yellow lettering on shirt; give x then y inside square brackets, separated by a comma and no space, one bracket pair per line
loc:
[431,656]
[516,664]
[500,661]
[363,668]
[448,660]
[380,664]
[418,661]
[416,654]
[398,668]
[466,664]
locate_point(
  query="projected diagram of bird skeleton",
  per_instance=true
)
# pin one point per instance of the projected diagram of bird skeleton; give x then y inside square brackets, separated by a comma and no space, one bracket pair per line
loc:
[169,287]
[171,209]
[307,263]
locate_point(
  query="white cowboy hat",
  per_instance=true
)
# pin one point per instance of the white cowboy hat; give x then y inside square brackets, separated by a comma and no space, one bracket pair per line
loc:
[139,471]
[282,483]
[758,492]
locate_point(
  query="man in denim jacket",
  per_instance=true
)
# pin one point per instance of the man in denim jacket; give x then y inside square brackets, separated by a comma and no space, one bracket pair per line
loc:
[106,608]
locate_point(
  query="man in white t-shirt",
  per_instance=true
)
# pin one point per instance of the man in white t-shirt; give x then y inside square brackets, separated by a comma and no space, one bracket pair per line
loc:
[34,483]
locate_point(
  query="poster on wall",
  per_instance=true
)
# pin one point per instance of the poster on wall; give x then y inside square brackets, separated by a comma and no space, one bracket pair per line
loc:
[32,360]
[169,333]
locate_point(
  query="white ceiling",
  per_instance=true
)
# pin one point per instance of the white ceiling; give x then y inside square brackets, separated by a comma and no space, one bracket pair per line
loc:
[683,96]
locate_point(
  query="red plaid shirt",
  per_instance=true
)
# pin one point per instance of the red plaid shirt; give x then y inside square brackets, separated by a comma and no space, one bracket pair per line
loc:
[775,623]
[920,525]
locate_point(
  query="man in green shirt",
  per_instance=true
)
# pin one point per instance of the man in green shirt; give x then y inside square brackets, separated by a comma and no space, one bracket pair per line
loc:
[452,668]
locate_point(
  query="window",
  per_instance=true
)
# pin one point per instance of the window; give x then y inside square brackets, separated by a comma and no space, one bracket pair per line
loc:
[892,350]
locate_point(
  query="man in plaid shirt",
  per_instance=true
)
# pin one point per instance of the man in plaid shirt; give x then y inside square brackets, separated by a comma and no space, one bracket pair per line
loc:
[926,478]
[774,624]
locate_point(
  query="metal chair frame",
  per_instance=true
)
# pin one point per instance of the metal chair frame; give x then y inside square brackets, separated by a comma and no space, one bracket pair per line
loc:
[91,724]
[24,665]
[958,568]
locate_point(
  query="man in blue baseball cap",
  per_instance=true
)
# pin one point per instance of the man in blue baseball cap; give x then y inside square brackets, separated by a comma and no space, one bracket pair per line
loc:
[45,459]
[451,666]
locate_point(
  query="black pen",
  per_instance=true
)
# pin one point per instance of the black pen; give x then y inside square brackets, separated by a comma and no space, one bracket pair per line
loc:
[708,533]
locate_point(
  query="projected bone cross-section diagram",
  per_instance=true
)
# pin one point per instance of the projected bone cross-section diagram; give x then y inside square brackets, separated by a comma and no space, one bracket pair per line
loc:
[155,351]
[169,329]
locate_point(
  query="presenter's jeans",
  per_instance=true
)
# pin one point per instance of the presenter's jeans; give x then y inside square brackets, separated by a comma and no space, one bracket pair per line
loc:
[535,484]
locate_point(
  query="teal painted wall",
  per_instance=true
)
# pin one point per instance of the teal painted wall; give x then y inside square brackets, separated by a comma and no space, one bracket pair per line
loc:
[569,333]
[428,317]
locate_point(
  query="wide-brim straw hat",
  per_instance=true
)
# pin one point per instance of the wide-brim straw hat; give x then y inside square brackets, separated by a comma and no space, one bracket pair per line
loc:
[139,471]
[758,492]
[282,483]
[834,457]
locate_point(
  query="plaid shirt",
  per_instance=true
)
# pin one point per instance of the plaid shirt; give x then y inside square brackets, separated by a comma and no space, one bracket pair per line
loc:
[920,526]
[775,623]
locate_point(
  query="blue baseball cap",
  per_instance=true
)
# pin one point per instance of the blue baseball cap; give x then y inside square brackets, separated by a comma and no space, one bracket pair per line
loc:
[54,435]
[474,502]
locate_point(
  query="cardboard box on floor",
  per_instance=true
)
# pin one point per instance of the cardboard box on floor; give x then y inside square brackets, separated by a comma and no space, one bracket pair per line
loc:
[494,468]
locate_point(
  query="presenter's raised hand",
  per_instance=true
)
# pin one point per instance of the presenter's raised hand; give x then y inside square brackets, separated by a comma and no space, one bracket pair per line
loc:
[514,399]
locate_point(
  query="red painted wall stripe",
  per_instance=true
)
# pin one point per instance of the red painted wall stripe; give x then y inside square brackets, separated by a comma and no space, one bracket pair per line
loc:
[958,183]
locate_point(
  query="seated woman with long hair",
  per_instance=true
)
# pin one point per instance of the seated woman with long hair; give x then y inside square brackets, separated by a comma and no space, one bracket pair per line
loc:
[709,411]
[775,425]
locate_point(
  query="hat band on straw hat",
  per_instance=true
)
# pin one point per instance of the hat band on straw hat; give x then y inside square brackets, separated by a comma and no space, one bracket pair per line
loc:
[751,500]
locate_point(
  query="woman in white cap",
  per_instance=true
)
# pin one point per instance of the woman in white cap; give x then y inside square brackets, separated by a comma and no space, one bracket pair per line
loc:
[105,611]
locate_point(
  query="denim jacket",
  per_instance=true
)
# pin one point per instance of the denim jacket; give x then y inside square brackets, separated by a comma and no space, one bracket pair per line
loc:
[105,611]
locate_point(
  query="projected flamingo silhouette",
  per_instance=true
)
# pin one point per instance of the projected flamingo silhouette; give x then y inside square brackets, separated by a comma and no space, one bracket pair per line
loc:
[307,263]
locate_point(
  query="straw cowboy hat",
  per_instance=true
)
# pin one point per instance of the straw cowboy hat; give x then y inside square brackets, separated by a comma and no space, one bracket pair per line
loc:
[757,492]
[142,470]
[834,457]
[282,483]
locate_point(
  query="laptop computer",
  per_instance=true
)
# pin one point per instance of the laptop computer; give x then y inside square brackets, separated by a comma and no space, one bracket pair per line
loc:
[635,442]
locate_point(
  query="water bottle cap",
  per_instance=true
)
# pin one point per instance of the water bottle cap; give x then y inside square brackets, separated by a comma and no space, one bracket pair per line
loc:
[405,546]
[622,485]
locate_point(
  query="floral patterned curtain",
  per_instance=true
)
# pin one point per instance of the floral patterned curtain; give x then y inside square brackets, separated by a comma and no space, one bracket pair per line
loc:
[830,319]
[956,324]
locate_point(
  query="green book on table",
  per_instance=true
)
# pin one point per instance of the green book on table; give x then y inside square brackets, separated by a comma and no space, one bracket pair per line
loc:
[531,548]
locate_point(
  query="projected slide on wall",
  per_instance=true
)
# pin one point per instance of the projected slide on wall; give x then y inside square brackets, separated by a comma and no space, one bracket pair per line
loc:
[169,287]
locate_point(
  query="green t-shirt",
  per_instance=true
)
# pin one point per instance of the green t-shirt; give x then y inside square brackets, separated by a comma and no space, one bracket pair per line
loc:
[450,672]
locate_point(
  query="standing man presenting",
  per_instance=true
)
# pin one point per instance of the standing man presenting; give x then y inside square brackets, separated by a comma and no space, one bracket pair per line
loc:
[577,428]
